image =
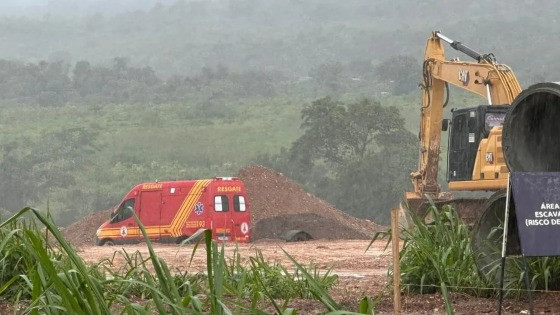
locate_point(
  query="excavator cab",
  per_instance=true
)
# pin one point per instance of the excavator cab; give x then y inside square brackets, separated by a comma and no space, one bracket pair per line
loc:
[468,127]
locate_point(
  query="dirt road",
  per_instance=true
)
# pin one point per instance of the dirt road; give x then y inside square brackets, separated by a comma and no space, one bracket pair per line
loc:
[360,274]
[348,258]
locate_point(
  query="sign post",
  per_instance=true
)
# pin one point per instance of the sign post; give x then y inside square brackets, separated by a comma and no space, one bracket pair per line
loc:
[504,246]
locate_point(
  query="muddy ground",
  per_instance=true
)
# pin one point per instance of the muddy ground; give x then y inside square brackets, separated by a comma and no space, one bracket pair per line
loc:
[360,274]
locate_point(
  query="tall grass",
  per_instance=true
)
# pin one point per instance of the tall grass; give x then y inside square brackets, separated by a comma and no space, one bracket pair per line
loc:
[544,272]
[50,278]
[54,279]
[437,254]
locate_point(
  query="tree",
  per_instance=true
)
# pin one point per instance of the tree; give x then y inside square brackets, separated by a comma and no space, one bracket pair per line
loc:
[17,185]
[371,186]
[357,156]
[30,168]
[337,133]
[82,80]
[324,122]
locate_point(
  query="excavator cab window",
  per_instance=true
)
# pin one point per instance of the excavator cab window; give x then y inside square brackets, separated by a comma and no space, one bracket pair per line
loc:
[457,136]
[463,144]
[468,127]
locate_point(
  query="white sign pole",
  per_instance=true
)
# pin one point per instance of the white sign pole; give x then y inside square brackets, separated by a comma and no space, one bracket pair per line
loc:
[504,246]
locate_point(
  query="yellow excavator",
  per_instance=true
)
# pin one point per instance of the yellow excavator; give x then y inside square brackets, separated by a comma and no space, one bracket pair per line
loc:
[517,131]
[475,157]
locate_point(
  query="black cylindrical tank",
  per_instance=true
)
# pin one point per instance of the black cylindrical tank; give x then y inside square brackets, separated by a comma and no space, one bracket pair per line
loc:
[531,130]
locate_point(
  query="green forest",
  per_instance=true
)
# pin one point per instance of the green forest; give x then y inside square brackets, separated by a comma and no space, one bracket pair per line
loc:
[325,92]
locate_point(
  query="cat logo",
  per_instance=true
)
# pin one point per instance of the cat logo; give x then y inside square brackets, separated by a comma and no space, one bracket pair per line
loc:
[489,157]
[124,231]
[464,76]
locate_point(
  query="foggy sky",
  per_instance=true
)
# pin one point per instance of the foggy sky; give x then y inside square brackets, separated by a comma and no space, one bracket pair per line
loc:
[81,7]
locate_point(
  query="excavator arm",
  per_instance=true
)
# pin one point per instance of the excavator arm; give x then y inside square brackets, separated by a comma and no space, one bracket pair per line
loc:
[495,82]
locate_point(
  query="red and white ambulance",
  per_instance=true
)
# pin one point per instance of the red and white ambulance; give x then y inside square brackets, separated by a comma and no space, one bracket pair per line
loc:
[172,211]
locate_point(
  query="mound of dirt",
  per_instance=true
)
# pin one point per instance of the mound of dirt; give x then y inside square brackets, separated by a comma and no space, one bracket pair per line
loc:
[278,205]
[82,232]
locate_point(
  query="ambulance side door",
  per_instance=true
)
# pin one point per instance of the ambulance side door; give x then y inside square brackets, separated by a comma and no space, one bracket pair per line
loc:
[150,212]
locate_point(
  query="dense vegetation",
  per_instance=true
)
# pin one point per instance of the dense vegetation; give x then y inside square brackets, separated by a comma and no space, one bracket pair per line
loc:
[58,83]
[179,37]
[78,137]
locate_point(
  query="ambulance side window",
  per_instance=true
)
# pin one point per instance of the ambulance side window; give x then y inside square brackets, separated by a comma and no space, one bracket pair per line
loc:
[124,212]
[221,203]
[239,203]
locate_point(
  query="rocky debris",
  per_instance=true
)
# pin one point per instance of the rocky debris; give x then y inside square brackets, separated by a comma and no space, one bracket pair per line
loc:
[82,232]
[278,205]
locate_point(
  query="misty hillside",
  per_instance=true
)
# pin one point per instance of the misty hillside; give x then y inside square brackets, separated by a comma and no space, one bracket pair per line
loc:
[290,36]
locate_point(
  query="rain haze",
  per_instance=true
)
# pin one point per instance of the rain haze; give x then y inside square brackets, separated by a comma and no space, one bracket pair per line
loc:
[119,88]
[267,121]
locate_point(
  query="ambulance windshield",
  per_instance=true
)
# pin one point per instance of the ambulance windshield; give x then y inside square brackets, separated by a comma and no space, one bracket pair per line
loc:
[124,212]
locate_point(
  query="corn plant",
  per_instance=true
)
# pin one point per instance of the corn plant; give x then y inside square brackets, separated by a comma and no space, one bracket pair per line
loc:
[544,272]
[53,279]
[437,254]
[55,283]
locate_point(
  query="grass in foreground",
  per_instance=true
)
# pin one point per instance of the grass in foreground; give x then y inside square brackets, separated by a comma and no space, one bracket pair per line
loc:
[437,255]
[49,277]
